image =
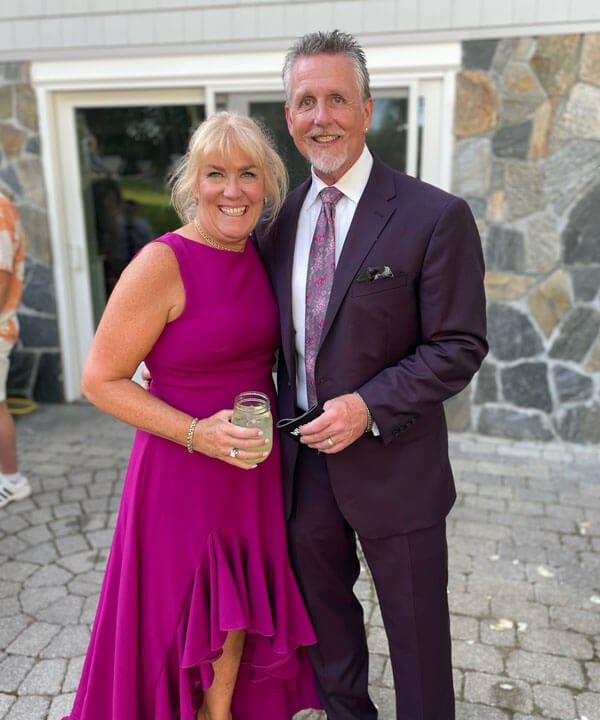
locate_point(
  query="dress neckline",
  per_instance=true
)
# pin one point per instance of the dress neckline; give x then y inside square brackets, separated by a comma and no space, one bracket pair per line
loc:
[211,247]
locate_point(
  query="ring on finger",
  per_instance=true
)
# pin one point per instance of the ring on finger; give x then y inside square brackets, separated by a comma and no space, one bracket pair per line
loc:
[330,442]
[234,452]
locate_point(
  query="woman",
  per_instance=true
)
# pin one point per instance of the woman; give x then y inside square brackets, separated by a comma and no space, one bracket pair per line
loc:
[199,617]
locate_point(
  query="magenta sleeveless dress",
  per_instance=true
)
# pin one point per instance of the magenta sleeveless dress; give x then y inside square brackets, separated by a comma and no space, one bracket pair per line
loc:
[200,547]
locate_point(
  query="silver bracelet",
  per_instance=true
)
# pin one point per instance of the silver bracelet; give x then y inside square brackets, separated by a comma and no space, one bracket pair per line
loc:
[190,435]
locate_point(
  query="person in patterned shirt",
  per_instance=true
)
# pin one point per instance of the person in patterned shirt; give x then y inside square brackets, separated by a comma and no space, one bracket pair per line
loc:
[13,486]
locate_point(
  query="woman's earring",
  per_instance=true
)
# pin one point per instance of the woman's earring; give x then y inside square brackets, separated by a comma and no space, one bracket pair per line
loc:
[266,200]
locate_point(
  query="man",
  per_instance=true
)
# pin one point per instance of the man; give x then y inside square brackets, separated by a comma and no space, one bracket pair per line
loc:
[13,486]
[134,231]
[404,329]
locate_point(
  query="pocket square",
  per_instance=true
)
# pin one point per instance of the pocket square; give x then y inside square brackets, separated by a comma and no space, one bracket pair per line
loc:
[375,272]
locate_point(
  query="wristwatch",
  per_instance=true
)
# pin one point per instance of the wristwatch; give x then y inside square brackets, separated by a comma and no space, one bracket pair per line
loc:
[369,427]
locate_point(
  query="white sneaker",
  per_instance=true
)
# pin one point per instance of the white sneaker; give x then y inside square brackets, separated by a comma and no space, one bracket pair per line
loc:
[10,491]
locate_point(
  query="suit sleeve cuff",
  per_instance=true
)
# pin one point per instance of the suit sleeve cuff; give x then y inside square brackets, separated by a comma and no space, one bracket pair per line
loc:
[371,424]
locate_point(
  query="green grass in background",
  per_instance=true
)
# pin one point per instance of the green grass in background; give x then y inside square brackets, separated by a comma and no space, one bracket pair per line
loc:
[154,202]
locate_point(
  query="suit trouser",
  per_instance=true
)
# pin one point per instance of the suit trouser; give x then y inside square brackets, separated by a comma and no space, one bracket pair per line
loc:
[410,574]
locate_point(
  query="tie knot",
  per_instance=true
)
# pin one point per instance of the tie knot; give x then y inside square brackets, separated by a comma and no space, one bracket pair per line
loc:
[330,195]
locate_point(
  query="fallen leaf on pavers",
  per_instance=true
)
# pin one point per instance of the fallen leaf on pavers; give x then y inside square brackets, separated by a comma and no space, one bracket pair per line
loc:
[502,624]
[521,627]
[595,599]
[544,571]
[583,526]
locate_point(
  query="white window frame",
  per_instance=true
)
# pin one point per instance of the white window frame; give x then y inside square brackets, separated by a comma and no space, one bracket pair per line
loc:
[427,70]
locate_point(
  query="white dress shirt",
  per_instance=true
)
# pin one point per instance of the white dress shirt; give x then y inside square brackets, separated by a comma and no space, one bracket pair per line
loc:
[352,184]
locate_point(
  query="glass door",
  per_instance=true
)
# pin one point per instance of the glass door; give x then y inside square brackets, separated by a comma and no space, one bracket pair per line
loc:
[388,135]
[107,152]
[125,156]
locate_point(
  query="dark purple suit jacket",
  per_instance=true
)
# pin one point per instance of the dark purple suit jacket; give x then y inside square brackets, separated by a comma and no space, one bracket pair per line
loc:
[406,343]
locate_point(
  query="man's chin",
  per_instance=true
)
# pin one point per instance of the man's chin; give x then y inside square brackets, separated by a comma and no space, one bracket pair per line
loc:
[325,165]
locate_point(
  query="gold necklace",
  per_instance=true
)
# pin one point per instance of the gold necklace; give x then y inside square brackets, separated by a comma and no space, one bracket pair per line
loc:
[214,243]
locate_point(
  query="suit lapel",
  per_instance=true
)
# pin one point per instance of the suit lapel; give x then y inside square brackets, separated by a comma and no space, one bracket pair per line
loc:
[372,214]
[285,237]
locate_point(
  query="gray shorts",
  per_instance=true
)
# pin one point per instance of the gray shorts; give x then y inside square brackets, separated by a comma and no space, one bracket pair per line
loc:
[5,348]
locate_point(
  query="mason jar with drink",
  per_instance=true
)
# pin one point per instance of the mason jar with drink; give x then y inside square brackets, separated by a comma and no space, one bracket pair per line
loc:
[252,409]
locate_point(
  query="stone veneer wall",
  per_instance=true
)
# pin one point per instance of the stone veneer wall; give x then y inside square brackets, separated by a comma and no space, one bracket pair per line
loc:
[35,370]
[527,126]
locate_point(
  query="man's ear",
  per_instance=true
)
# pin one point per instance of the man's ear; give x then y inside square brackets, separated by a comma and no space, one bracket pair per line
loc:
[368,113]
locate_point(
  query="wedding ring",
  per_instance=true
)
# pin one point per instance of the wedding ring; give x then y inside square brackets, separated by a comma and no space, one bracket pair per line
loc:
[234,452]
[330,442]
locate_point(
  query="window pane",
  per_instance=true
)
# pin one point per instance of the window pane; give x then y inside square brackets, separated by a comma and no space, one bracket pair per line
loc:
[126,154]
[388,134]
[421,123]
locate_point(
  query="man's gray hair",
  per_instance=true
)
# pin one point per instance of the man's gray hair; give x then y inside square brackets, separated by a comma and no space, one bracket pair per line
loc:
[331,43]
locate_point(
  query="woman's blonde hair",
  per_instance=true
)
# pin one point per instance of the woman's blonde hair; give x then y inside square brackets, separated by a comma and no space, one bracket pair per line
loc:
[222,134]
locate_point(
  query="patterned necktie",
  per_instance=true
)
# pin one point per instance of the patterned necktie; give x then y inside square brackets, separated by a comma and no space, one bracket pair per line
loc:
[319,279]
